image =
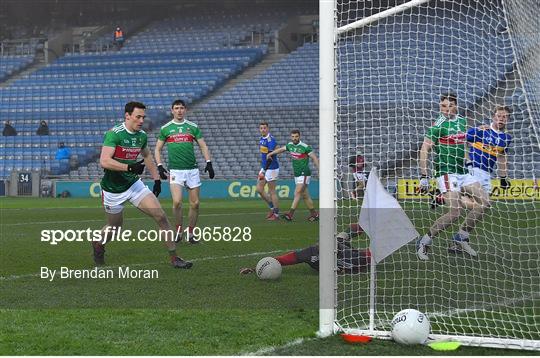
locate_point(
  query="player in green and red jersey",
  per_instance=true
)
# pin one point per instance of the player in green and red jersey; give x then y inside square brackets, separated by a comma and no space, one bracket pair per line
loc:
[300,154]
[121,147]
[447,137]
[179,134]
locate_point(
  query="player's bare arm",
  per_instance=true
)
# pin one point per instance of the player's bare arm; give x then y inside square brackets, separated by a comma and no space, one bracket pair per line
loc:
[276,152]
[204,149]
[163,173]
[502,165]
[157,150]
[314,159]
[107,161]
[427,145]
[150,163]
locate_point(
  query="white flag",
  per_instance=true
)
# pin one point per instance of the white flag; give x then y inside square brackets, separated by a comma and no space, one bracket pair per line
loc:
[383,220]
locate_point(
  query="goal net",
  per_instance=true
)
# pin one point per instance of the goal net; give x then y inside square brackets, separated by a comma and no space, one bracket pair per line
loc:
[393,61]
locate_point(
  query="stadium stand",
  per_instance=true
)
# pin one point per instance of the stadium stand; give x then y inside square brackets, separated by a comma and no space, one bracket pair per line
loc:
[12,64]
[189,58]
[81,96]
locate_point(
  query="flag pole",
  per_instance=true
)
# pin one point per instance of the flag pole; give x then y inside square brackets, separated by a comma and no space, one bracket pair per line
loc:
[373,266]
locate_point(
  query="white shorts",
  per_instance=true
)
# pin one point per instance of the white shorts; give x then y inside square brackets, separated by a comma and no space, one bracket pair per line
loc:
[271,174]
[189,178]
[454,182]
[114,202]
[302,180]
[482,177]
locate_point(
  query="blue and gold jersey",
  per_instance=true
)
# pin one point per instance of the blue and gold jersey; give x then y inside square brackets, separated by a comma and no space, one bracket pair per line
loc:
[266,145]
[486,146]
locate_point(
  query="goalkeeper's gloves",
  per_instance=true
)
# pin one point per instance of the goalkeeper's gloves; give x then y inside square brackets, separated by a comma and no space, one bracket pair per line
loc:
[162,171]
[505,183]
[261,174]
[424,184]
[136,168]
[157,188]
[437,198]
[209,169]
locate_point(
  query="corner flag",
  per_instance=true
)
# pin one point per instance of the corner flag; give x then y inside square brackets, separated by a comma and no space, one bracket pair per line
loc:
[383,220]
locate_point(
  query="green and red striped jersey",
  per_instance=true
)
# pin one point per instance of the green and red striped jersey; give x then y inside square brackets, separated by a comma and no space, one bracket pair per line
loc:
[450,138]
[127,146]
[179,137]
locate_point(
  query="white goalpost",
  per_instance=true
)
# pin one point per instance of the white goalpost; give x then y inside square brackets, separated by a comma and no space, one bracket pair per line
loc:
[384,65]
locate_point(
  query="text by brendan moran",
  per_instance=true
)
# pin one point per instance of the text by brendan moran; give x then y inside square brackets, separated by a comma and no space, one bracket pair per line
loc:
[98,273]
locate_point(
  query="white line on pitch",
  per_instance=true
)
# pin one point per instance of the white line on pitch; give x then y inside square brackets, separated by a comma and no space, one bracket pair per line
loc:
[138,218]
[209,258]
[272,349]
[485,307]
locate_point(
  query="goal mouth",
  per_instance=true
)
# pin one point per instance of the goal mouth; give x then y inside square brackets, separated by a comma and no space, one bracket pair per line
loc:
[443,98]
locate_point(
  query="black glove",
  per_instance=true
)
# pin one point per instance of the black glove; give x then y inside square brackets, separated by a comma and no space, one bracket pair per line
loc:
[162,171]
[210,170]
[156,189]
[136,168]
[424,185]
[505,183]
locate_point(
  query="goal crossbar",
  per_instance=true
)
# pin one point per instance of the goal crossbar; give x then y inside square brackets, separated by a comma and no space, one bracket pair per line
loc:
[381,15]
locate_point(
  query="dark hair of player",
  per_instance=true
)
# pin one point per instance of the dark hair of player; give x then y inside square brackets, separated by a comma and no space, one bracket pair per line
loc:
[503,108]
[263,123]
[353,160]
[295,131]
[130,106]
[450,96]
[177,102]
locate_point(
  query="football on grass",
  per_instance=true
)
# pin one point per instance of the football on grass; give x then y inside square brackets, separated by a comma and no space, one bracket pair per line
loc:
[268,269]
[410,327]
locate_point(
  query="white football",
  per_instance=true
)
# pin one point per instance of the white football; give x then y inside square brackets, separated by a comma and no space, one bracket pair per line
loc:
[268,269]
[410,327]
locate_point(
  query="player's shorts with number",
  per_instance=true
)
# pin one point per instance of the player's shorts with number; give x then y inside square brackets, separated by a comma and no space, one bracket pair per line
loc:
[454,182]
[481,176]
[189,178]
[114,202]
[271,174]
[302,179]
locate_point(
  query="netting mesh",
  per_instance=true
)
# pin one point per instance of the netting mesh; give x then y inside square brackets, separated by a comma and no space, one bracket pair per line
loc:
[390,75]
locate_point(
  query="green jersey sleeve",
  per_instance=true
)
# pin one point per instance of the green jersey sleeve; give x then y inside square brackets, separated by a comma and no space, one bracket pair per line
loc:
[144,142]
[433,134]
[309,149]
[162,136]
[110,139]
[197,133]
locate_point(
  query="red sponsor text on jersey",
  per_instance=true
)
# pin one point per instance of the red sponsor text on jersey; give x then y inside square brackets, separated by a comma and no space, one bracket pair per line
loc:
[298,155]
[126,153]
[453,139]
[180,138]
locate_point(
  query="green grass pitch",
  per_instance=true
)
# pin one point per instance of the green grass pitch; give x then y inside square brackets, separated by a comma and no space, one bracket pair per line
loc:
[208,310]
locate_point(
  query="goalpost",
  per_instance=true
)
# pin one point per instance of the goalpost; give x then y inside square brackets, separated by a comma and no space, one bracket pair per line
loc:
[382,71]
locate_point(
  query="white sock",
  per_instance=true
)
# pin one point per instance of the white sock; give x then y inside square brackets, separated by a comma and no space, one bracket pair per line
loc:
[464,234]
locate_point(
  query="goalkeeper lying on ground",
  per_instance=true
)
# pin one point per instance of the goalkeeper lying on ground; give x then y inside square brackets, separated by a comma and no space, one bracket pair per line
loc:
[349,259]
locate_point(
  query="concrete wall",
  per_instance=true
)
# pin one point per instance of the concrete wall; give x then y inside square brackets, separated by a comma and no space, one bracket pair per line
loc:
[292,35]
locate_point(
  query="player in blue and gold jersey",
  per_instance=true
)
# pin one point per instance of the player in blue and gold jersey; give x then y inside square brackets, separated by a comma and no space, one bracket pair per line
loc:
[269,172]
[489,146]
